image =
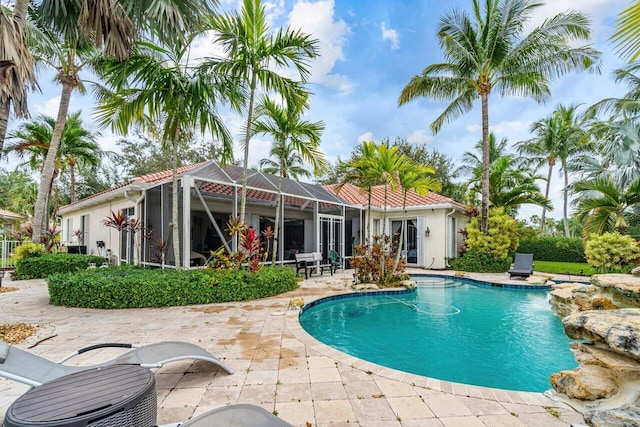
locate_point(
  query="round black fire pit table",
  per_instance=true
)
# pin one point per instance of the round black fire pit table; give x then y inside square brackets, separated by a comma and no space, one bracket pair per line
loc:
[115,395]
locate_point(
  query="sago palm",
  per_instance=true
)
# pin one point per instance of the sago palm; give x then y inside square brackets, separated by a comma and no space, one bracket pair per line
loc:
[486,53]
[255,58]
[294,140]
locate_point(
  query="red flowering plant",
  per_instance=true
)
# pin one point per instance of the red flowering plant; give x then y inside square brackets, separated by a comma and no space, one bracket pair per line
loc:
[251,251]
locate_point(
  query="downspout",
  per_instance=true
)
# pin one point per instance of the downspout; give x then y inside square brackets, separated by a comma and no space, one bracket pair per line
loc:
[446,234]
[136,209]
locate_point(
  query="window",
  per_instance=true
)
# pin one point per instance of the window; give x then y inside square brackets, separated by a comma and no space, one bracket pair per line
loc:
[69,231]
[83,239]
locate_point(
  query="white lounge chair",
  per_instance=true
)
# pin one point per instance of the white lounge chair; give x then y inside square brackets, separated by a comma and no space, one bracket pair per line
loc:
[22,366]
[238,415]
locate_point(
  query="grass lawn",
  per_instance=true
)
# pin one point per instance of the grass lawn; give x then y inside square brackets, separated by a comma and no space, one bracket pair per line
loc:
[563,267]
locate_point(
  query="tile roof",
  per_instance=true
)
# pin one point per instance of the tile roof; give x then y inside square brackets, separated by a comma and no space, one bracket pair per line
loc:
[9,215]
[354,195]
[154,178]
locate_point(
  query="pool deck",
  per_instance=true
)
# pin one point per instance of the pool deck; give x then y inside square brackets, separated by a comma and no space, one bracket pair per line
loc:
[277,364]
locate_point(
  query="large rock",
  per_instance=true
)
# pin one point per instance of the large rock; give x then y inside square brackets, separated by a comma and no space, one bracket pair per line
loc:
[585,383]
[625,416]
[619,330]
[570,297]
[636,271]
[624,284]
[621,366]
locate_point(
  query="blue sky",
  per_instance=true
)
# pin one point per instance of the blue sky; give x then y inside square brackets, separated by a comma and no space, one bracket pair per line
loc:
[370,50]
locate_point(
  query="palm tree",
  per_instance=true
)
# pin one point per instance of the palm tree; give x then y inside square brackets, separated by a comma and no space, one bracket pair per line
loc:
[386,170]
[627,36]
[156,85]
[359,171]
[78,146]
[603,204]
[253,55]
[86,25]
[629,105]
[486,53]
[512,185]
[17,74]
[560,136]
[294,140]
[413,177]
[472,160]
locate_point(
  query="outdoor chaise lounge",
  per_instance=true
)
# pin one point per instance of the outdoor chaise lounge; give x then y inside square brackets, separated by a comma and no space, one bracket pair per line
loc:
[22,366]
[238,415]
[522,266]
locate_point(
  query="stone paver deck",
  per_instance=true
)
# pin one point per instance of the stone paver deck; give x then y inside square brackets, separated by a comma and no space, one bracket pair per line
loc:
[277,365]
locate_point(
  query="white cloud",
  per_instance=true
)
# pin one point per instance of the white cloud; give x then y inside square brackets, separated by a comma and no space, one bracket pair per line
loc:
[391,35]
[367,136]
[49,107]
[419,136]
[317,18]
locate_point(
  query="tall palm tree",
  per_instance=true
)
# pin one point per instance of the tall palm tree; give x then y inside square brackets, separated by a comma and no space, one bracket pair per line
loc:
[603,204]
[78,146]
[359,171]
[17,74]
[156,85]
[414,177]
[560,136]
[627,36]
[109,25]
[294,140]
[487,53]
[386,170]
[254,56]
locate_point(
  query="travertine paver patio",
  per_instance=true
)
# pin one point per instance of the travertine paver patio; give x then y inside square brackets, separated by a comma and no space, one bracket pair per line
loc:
[277,365]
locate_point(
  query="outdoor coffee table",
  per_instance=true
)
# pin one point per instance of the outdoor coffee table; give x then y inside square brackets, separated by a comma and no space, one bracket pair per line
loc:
[115,395]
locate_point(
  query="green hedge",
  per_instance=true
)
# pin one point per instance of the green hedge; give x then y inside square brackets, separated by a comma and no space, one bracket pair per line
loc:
[480,262]
[41,266]
[558,249]
[132,287]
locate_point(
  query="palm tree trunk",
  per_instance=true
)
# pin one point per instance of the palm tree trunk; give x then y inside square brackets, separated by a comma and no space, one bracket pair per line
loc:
[276,228]
[404,224]
[485,164]
[4,120]
[72,183]
[175,218]
[565,194]
[68,84]
[247,138]
[546,194]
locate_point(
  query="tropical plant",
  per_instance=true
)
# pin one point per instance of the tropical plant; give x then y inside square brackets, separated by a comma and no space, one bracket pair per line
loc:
[603,204]
[359,171]
[295,140]
[611,251]
[629,105]
[414,177]
[560,136]
[627,36]
[156,84]
[487,53]
[78,31]
[502,238]
[253,56]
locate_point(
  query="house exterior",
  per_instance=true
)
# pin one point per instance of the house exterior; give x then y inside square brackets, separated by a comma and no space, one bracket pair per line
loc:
[432,222]
[313,218]
[9,222]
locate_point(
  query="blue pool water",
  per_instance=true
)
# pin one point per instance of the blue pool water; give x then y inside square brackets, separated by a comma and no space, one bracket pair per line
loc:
[487,336]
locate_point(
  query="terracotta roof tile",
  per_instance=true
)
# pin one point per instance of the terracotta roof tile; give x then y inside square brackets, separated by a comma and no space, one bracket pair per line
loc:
[354,195]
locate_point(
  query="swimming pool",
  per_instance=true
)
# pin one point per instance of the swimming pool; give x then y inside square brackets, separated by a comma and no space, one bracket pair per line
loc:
[449,330]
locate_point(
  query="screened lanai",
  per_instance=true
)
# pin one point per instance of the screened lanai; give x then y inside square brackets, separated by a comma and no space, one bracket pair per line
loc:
[312,218]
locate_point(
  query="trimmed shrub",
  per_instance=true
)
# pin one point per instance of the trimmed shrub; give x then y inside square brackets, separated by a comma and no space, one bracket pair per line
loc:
[501,239]
[133,287]
[558,249]
[42,266]
[28,250]
[476,261]
[612,252]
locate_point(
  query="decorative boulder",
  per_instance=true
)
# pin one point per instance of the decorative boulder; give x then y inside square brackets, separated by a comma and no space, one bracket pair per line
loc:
[585,383]
[636,271]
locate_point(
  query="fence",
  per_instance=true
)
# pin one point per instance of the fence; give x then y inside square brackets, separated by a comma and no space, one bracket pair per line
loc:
[7,248]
